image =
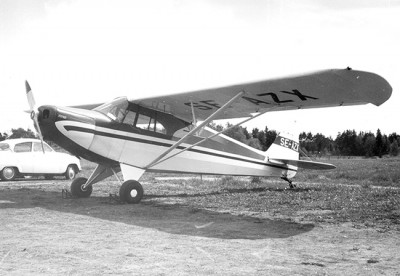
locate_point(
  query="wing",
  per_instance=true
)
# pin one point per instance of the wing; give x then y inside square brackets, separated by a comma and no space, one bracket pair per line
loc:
[304,164]
[320,89]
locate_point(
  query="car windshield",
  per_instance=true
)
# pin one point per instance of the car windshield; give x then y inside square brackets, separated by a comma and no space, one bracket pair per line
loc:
[4,147]
[115,110]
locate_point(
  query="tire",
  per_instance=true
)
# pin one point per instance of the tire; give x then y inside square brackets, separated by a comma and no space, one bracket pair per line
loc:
[131,192]
[8,174]
[70,172]
[77,190]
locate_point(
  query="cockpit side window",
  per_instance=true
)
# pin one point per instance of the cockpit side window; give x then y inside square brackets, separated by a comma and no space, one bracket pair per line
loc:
[160,128]
[124,112]
[149,122]
[144,122]
[130,118]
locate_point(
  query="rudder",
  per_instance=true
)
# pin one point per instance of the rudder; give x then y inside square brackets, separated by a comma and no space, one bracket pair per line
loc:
[285,146]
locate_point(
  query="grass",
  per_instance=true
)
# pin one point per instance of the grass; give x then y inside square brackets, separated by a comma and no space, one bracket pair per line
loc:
[364,192]
[376,172]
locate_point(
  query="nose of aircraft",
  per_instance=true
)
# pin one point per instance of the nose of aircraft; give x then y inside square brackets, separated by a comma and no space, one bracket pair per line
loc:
[70,128]
[47,112]
[50,118]
[47,117]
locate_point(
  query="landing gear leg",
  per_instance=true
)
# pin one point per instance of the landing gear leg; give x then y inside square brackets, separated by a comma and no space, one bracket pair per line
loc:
[82,187]
[291,185]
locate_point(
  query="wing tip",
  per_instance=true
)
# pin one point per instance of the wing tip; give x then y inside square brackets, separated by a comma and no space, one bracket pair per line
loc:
[376,88]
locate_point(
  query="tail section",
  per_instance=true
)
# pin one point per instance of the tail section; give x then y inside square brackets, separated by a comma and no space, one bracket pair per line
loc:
[285,146]
[285,151]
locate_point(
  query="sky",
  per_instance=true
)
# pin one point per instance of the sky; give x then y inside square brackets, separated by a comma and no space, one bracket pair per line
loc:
[91,51]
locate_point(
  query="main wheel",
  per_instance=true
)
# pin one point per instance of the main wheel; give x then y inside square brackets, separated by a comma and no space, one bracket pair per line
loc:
[8,173]
[70,173]
[78,190]
[131,191]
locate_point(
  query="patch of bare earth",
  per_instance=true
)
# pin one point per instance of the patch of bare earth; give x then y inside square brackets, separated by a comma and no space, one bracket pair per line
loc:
[248,231]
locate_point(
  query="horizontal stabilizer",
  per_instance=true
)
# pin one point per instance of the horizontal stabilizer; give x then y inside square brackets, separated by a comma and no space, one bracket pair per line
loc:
[310,165]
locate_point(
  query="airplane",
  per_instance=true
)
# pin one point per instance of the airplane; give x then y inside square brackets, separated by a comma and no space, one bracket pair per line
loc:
[169,133]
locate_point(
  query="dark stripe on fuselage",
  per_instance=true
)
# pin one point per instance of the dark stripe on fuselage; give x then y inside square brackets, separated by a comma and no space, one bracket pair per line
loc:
[139,140]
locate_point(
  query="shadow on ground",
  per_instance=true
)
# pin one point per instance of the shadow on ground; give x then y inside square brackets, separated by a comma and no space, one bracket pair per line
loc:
[236,191]
[169,218]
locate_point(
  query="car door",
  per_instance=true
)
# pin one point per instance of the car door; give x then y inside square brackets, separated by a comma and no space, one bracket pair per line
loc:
[24,157]
[45,162]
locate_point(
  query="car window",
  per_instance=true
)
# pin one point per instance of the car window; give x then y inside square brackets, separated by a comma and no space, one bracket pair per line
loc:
[47,148]
[38,147]
[4,147]
[23,147]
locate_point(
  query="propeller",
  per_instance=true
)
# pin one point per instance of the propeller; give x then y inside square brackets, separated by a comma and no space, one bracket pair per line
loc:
[34,112]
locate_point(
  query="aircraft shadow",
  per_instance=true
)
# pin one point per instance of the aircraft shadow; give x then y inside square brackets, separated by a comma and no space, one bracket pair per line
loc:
[170,218]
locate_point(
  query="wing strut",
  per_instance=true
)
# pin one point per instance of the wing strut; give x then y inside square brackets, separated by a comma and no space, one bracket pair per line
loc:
[183,139]
[194,121]
[210,137]
[193,114]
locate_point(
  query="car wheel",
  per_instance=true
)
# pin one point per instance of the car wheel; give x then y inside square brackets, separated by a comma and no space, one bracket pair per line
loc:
[70,173]
[8,173]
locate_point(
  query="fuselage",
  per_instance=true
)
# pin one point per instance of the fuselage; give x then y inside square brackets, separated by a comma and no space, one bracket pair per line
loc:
[123,133]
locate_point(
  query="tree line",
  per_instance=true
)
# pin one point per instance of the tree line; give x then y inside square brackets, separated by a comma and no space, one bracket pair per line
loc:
[17,133]
[351,143]
[346,143]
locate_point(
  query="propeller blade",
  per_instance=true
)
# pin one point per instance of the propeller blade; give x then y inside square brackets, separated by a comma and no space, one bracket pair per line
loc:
[29,95]
[36,122]
[34,113]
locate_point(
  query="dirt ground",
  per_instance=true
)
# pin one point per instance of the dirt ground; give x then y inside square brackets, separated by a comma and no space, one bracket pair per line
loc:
[43,233]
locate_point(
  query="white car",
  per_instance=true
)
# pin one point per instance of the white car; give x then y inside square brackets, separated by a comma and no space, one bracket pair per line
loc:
[22,157]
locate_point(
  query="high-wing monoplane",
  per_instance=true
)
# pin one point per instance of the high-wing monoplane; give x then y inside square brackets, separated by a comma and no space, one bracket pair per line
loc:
[170,134]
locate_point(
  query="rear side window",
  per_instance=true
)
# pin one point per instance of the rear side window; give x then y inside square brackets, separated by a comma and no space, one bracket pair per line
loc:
[4,147]
[160,128]
[149,123]
[23,147]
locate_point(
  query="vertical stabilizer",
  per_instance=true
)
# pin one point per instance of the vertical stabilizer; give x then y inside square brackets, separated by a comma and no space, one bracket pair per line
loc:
[285,146]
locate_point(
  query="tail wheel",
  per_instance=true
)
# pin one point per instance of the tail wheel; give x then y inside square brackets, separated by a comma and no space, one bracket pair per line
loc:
[8,173]
[70,173]
[77,189]
[131,191]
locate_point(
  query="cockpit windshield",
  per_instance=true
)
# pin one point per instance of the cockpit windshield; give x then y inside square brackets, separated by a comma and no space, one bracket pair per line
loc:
[116,109]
